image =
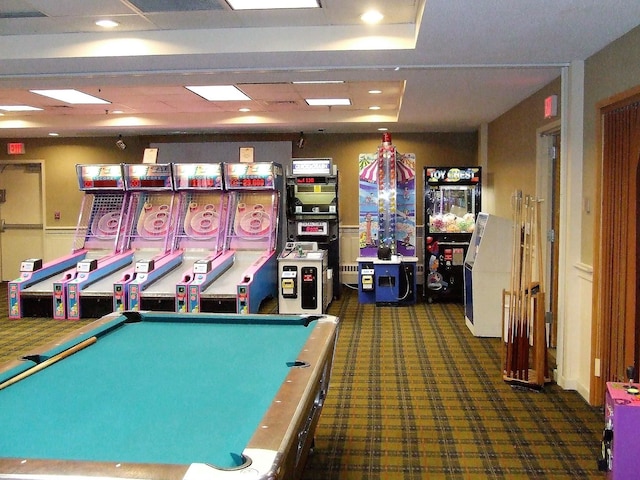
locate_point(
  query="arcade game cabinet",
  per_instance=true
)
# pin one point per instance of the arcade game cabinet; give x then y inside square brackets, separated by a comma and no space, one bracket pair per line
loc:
[387,227]
[312,210]
[451,202]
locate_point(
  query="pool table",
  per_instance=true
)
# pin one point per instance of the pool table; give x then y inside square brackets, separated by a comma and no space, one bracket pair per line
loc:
[158,395]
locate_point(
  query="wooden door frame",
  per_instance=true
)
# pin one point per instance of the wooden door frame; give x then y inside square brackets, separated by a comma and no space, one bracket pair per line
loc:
[544,189]
[601,354]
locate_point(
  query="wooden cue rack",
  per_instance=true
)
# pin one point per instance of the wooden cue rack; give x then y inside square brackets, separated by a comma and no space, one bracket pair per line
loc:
[523,324]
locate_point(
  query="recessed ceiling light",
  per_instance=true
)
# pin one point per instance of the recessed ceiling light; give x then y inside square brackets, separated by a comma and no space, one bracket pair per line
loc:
[371,17]
[107,23]
[374,107]
[383,129]
[18,108]
[327,101]
[244,109]
[53,134]
[116,111]
[271,4]
[71,96]
[218,93]
[375,92]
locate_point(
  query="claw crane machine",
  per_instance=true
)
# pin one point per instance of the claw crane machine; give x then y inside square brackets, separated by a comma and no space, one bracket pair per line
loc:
[452,199]
[387,226]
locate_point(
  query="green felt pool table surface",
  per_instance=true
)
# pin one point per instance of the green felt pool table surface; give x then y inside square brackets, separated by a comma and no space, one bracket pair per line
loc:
[162,389]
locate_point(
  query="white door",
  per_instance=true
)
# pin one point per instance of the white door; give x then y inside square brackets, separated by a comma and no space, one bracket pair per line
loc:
[21,217]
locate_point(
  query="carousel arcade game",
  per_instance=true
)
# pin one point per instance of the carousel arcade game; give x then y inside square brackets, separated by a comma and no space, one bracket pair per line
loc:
[387,227]
[451,202]
[312,215]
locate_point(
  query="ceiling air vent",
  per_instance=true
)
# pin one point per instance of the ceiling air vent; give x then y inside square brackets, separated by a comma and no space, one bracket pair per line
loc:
[155,6]
[281,104]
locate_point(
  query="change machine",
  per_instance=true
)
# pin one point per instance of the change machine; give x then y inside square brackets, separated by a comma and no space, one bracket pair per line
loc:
[312,210]
[451,202]
[304,284]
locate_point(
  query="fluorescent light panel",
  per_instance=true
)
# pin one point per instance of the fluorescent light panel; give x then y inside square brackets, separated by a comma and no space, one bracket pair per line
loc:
[314,102]
[18,108]
[317,82]
[69,95]
[271,4]
[218,93]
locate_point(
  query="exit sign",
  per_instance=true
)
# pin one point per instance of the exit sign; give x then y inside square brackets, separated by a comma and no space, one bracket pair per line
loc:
[15,148]
[551,106]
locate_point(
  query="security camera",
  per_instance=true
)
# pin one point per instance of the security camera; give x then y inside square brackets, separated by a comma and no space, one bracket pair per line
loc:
[301,141]
[120,144]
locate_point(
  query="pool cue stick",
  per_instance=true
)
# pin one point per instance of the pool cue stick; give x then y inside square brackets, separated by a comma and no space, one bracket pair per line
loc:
[508,330]
[528,282]
[50,361]
[516,310]
[522,320]
[517,206]
[520,295]
[517,344]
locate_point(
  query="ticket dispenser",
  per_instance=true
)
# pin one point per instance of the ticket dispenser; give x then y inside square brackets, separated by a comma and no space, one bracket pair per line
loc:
[366,281]
[304,285]
[289,281]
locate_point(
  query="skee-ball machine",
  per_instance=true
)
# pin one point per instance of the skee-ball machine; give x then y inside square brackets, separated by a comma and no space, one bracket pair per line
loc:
[387,227]
[98,239]
[255,191]
[202,230]
[312,210]
[149,235]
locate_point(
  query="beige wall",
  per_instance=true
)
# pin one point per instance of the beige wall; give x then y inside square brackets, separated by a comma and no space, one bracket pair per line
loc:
[60,155]
[456,149]
[512,148]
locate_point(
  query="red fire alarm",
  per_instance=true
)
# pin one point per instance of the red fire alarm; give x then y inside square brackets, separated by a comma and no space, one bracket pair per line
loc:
[15,148]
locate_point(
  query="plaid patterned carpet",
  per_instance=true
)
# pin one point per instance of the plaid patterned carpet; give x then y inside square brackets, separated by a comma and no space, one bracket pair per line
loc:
[415,396]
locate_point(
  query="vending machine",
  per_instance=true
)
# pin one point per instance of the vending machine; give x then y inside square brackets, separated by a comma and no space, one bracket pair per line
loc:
[452,199]
[312,210]
[387,226]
